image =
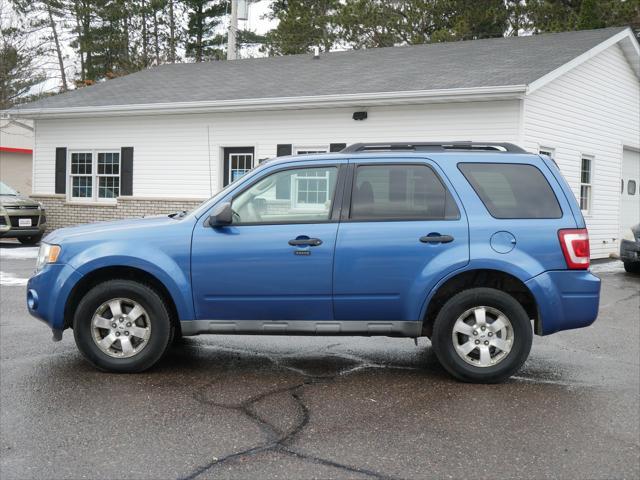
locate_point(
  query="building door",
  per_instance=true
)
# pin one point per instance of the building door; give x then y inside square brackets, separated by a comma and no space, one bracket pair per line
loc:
[629,194]
[237,162]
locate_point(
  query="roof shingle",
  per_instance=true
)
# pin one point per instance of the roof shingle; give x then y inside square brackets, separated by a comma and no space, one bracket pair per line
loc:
[462,64]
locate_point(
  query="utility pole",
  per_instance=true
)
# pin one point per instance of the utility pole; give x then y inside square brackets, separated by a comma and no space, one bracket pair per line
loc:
[233,30]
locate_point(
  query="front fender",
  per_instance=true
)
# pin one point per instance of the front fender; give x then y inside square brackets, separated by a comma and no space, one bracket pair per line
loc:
[173,273]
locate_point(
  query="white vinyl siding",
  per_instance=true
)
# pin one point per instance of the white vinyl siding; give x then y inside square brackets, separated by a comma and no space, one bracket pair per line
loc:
[594,110]
[178,156]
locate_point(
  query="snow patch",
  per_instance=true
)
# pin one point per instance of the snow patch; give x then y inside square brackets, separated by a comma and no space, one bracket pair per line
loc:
[615,266]
[10,280]
[19,253]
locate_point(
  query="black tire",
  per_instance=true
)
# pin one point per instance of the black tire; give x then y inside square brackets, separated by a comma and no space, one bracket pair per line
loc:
[632,267]
[162,330]
[30,240]
[443,343]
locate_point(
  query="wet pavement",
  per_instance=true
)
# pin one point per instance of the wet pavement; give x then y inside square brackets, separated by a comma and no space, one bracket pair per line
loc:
[303,407]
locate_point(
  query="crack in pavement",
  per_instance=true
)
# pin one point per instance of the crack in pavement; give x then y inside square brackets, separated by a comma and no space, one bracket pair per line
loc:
[277,439]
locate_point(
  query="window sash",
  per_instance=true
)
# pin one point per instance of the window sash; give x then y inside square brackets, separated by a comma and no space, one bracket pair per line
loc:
[586,189]
[314,185]
[239,165]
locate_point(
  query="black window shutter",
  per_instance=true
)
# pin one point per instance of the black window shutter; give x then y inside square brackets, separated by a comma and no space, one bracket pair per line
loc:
[336,147]
[284,149]
[126,174]
[283,187]
[61,170]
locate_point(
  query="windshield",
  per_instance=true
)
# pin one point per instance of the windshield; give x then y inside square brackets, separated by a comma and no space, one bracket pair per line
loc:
[7,190]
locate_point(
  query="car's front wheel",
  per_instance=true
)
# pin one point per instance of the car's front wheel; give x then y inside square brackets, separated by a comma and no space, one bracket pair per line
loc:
[122,326]
[482,335]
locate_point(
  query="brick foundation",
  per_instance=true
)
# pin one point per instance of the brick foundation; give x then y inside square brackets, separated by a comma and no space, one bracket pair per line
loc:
[61,213]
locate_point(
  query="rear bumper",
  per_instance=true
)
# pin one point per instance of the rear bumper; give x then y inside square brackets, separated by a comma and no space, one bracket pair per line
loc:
[566,299]
[629,251]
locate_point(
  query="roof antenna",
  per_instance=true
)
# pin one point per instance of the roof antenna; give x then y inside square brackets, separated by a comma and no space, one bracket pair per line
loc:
[316,53]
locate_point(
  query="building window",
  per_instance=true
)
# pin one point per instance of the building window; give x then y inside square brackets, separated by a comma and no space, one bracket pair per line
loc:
[310,189]
[631,187]
[310,150]
[586,173]
[82,175]
[95,175]
[108,175]
[239,165]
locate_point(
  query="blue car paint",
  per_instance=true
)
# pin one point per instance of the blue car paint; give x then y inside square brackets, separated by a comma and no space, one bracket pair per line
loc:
[203,269]
[381,267]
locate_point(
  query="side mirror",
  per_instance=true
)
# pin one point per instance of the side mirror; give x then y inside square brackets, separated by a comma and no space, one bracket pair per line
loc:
[222,215]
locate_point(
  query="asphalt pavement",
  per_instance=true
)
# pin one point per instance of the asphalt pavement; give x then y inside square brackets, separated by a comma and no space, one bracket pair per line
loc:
[302,407]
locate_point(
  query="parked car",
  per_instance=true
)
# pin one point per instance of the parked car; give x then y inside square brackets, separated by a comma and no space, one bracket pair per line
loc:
[630,249]
[468,244]
[20,217]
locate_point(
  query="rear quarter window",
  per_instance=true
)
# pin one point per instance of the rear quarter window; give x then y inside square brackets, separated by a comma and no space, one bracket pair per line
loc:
[510,190]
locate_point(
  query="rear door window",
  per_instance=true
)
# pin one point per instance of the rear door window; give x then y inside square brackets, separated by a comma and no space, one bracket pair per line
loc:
[510,190]
[400,192]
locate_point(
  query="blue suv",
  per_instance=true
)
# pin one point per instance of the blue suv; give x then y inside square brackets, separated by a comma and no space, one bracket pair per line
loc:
[473,245]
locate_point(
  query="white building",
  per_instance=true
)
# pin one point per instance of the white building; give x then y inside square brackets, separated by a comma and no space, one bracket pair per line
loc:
[16,152]
[165,138]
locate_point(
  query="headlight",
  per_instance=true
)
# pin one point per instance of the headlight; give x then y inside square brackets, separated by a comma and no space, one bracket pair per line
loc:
[628,235]
[47,254]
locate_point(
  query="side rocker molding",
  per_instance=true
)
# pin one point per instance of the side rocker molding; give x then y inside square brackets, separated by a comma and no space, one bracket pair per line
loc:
[303,327]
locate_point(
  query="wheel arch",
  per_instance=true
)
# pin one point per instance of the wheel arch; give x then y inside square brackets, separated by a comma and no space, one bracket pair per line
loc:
[123,272]
[479,277]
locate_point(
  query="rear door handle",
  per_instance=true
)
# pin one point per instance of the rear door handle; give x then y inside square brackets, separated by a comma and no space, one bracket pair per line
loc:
[435,238]
[305,242]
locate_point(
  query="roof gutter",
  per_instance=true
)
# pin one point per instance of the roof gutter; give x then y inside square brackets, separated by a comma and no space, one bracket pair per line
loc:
[282,103]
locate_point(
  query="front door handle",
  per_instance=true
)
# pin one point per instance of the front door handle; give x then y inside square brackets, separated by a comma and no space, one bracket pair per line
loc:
[436,238]
[305,242]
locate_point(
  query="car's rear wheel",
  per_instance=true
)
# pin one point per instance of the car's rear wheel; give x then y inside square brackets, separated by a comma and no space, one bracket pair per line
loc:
[482,335]
[32,240]
[122,326]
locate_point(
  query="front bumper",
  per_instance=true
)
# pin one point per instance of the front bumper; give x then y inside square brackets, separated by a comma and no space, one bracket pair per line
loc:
[10,223]
[566,299]
[629,251]
[48,291]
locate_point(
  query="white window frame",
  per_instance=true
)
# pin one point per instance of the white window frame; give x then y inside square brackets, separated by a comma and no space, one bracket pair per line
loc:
[310,149]
[230,180]
[95,177]
[295,181]
[588,185]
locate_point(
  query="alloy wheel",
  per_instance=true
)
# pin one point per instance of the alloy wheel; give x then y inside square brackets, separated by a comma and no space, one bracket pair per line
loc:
[482,336]
[121,328]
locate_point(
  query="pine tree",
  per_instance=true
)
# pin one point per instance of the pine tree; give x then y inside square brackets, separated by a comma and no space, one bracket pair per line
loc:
[204,38]
[302,25]
[18,72]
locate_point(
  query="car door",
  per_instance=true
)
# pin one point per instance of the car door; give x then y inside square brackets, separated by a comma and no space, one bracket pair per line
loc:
[402,230]
[274,262]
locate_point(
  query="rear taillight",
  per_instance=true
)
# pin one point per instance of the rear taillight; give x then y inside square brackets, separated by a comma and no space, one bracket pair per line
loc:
[575,246]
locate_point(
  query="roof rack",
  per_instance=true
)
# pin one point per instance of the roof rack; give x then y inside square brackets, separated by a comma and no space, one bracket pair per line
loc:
[434,147]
